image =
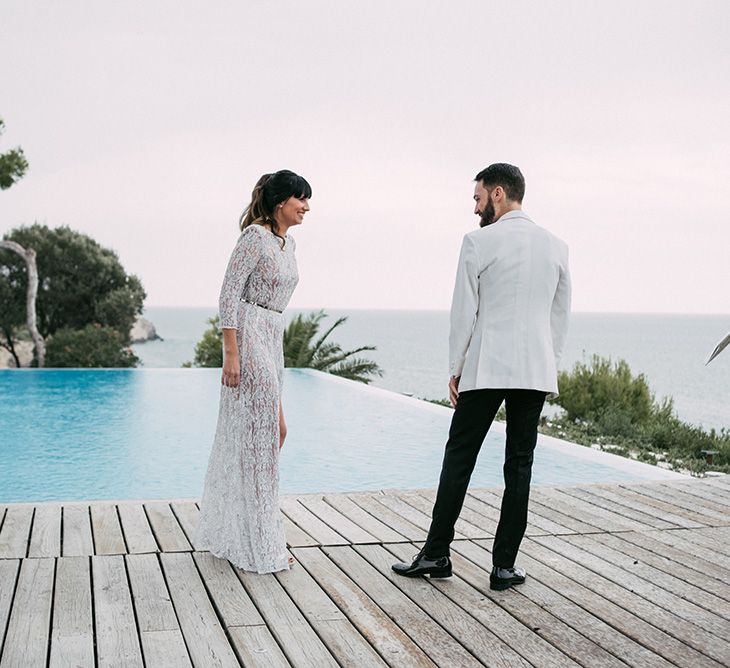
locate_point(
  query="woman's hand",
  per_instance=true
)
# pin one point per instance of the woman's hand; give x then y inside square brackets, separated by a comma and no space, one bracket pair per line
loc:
[282,427]
[231,375]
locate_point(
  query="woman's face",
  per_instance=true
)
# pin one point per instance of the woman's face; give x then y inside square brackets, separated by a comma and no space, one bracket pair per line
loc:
[291,212]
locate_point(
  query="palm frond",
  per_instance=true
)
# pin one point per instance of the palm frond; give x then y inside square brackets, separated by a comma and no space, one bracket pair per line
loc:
[303,351]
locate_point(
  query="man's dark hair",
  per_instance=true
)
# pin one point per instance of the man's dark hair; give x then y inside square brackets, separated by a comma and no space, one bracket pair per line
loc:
[507,176]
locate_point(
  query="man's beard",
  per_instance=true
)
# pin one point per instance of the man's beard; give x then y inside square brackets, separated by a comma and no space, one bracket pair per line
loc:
[487,215]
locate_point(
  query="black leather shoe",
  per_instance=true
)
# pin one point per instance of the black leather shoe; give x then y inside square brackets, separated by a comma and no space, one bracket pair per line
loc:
[440,567]
[504,578]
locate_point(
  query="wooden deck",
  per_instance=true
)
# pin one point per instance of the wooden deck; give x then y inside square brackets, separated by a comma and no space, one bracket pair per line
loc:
[631,574]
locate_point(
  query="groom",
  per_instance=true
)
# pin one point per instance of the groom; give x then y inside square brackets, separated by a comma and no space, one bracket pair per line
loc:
[509,319]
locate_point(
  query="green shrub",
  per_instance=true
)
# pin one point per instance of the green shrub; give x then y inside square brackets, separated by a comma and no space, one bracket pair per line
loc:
[209,350]
[93,346]
[606,393]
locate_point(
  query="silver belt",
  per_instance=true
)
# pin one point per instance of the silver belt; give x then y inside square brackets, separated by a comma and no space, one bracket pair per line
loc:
[268,308]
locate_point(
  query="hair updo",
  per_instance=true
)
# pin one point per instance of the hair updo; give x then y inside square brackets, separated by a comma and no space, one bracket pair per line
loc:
[269,191]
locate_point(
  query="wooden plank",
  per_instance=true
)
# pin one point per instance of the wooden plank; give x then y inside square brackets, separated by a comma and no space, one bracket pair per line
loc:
[45,539]
[232,602]
[256,647]
[468,560]
[26,640]
[117,641]
[622,503]
[108,538]
[671,509]
[310,523]
[464,527]
[677,610]
[77,538]
[162,641]
[187,515]
[489,505]
[711,550]
[72,633]
[698,489]
[685,600]
[678,553]
[152,603]
[408,512]
[337,632]
[295,537]
[8,576]
[678,497]
[537,511]
[362,518]
[700,645]
[164,649]
[136,528]
[335,519]
[524,640]
[719,535]
[642,644]
[470,522]
[299,642]
[399,524]
[205,638]
[15,532]
[476,638]
[433,639]
[600,518]
[382,633]
[170,536]
[675,577]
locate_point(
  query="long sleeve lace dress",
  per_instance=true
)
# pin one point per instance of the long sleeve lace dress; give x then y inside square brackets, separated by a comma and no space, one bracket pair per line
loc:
[240,519]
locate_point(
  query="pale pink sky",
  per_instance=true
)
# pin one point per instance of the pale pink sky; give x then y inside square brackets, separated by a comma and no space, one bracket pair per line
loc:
[146,125]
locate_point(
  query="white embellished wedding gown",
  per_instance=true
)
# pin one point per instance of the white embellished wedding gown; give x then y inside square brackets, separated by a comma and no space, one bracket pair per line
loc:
[240,519]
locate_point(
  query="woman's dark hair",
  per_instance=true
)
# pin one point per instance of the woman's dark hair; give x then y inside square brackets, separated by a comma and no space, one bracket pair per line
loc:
[271,190]
[507,176]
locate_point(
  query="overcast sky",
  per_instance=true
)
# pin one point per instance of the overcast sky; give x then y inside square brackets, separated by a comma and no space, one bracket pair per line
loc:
[146,125]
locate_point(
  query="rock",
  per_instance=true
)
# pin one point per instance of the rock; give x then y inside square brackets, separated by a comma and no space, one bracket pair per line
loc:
[143,330]
[25,354]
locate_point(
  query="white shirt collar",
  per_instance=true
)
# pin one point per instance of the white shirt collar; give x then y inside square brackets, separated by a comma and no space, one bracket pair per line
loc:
[514,214]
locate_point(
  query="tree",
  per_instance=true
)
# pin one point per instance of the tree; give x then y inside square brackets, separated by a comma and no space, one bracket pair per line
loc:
[300,349]
[13,164]
[80,283]
[32,268]
[209,350]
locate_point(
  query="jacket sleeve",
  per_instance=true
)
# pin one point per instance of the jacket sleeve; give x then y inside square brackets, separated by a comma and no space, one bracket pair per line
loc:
[244,258]
[560,311]
[464,305]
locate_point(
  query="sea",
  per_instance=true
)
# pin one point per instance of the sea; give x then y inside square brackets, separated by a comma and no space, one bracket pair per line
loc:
[411,348]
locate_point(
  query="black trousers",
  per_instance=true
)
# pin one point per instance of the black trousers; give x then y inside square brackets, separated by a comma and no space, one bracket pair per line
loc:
[474,413]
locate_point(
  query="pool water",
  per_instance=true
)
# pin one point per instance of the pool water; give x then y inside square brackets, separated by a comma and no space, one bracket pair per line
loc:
[68,434]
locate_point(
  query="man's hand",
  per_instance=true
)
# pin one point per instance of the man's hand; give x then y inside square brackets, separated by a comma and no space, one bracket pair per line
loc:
[454,390]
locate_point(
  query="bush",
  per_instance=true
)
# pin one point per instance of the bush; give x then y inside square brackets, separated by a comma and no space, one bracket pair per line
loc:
[605,393]
[93,346]
[209,350]
[605,404]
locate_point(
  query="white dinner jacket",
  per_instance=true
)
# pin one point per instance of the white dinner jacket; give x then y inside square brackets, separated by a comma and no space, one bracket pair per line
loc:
[511,304]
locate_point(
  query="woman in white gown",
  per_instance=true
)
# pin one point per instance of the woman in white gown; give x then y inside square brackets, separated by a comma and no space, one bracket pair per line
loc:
[240,519]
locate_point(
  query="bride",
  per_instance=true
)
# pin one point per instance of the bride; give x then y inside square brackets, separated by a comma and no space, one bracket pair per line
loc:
[240,518]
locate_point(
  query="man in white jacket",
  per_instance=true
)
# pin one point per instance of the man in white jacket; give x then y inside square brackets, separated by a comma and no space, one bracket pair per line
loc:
[509,320]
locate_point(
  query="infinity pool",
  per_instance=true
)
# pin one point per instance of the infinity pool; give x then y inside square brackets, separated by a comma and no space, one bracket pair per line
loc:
[68,434]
